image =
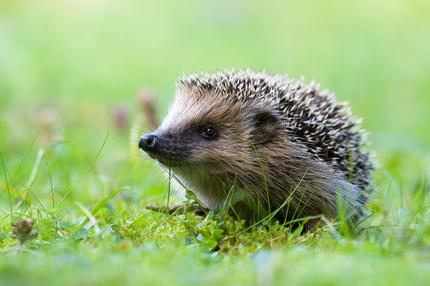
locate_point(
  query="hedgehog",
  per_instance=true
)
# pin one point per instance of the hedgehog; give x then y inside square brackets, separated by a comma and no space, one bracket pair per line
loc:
[263,145]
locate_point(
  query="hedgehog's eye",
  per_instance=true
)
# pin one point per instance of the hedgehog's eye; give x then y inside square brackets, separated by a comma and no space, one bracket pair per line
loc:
[208,132]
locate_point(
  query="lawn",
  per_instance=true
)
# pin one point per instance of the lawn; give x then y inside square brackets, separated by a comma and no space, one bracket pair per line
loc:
[72,76]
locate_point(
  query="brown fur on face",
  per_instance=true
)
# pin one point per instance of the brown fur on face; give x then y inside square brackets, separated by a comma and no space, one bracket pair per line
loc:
[257,162]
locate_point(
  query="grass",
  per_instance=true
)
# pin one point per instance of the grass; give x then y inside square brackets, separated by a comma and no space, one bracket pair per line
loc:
[69,74]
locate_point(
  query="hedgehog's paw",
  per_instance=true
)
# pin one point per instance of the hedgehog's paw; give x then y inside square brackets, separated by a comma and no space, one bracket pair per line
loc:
[312,225]
[177,209]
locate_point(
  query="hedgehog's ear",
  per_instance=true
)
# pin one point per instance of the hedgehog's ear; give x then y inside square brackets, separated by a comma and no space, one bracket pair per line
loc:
[265,124]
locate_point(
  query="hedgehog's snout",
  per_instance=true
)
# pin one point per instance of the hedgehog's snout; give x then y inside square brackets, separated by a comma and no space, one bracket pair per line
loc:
[168,150]
[148,142]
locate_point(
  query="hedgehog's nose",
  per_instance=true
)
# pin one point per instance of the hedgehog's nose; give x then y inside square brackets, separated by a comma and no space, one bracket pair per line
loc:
[148,142]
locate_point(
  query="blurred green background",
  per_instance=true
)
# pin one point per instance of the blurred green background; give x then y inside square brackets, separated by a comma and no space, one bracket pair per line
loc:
[70,66]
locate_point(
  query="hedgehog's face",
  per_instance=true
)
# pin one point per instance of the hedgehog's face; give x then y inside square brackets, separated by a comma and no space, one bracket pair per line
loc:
[206,134]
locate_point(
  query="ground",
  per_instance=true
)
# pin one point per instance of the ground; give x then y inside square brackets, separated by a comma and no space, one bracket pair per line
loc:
[70,117]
